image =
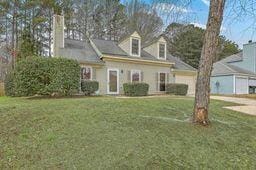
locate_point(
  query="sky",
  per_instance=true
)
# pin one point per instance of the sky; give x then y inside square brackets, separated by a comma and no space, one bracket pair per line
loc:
[239,29]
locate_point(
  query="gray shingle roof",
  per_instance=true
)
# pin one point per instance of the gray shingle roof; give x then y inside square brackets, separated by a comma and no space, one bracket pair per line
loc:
[84,52]
[109,47]
[80,51]
[112,48]
[233,58]
[225,66]
[179,64]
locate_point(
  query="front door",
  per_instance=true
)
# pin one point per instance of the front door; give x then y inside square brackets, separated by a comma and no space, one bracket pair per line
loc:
[162,84]
[113,81]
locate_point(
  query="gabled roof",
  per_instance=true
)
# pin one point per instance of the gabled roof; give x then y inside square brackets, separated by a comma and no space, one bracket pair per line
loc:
[127,35]
[109,47]
[85,52]
[233,58]
[221,68]
[225,66]
[153,41]
[179,64]
[80,51]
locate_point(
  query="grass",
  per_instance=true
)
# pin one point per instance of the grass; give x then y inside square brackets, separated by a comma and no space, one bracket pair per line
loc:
[111,133]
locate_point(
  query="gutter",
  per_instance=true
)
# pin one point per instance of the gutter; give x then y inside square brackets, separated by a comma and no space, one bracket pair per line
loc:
[136,60]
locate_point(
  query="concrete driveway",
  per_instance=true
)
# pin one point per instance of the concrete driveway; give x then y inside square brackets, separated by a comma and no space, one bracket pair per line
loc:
[248,105]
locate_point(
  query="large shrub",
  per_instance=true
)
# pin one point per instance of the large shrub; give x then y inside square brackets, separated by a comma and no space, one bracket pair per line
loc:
[1,89]
[9,83]
[177,89]
[89,87]
[136,89]
[43,76]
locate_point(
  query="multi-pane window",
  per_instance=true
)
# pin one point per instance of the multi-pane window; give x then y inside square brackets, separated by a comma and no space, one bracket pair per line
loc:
[161,50]
[135,75]
[86,73]
[135,46]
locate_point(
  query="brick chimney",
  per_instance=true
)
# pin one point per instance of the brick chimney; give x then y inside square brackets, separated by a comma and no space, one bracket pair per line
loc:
[58,34]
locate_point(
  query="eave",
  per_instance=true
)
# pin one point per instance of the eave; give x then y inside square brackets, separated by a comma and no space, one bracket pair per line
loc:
[136,61]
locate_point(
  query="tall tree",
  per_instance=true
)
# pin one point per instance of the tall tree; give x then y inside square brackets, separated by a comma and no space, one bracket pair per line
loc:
[208,55]
[186,42]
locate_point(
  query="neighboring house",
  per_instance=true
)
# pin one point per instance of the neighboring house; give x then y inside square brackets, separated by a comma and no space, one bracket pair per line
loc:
[236,74]
[114,63]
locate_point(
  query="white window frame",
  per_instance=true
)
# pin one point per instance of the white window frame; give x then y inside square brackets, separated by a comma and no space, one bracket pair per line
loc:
[90,74]
[158,52]
[134,71]
[159,80]
[135,55]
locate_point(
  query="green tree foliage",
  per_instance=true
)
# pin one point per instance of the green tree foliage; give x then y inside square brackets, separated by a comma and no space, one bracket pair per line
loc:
[186,42]
[43,76]
[28,45]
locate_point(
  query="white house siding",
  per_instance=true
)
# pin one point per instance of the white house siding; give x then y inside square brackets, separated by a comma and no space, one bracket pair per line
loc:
[149,73]
[190,80]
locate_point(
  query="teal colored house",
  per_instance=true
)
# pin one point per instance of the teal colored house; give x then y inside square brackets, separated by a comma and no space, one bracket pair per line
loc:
[236,74]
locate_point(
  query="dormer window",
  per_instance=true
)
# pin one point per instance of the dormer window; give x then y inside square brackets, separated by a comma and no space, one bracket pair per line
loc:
[162,51]
[135,47]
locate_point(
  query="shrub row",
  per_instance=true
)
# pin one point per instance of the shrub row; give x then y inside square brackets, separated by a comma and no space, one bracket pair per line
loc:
[89,87]
[177,89]
[43,76]
[136,89]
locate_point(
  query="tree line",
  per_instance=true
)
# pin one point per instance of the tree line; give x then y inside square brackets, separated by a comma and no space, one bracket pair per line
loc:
[26,26]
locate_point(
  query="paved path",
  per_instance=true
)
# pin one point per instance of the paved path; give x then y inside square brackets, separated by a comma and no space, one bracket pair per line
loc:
[248,105]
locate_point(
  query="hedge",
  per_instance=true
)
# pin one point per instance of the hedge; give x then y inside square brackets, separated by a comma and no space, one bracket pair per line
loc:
[89,87]
[136,89]
[177,89]
[43,76]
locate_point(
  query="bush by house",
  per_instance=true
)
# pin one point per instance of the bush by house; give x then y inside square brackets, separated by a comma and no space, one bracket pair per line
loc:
[43,76]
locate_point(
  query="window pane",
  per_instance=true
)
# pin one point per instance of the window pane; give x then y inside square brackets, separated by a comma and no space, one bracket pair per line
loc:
[86,73]
[135,76]
[135,46]
[161,50]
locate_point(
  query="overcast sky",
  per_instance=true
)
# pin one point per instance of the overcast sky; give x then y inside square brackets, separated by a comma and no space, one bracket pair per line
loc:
[240,30]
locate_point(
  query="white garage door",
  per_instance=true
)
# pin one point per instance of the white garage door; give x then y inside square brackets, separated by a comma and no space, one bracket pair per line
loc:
[189,80]
[241,85]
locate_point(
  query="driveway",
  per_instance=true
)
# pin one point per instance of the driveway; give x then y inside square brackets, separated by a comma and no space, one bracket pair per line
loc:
[248,105]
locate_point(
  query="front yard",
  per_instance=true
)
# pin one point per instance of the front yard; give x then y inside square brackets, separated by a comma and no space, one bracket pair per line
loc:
[111,133]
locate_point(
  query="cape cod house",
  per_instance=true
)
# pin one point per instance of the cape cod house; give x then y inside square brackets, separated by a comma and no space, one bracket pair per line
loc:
[236,74]
[113,63]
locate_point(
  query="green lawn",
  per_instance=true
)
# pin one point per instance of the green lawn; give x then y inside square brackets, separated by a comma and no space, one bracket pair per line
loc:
[111,133]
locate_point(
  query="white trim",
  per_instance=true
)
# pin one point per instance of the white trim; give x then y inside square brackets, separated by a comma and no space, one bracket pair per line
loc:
[90,74]
[158,50]
[139,48]
[132,71]
[117,73]
[234,84]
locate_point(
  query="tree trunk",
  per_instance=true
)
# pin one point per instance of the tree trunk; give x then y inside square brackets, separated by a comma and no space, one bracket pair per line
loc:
[209,51]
